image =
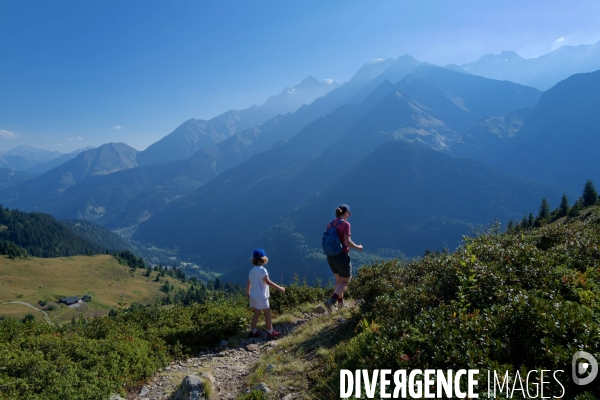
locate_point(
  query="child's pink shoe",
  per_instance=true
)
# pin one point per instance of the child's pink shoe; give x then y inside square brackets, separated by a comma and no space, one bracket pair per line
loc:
[273,336]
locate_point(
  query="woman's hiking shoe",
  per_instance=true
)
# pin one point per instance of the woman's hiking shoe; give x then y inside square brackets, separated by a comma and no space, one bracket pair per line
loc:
[254,334]
[274,335]
[329,303]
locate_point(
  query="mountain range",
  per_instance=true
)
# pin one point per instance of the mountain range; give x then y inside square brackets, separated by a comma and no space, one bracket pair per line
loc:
[422,153]
[195,134]
[255,195]
[33,160]
[148,189]
[103,160]
[190,136]
[540,72]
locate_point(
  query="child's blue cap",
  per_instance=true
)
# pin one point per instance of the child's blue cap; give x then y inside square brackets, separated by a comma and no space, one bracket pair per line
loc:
[259,253]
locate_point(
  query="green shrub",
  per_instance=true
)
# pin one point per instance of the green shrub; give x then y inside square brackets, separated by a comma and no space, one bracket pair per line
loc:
[29,318]
[297,294]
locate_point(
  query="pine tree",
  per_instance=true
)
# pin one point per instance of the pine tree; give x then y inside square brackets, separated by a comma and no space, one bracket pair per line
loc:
[563,209]
[574,211]
[589,196]
[544,212]
[531,221]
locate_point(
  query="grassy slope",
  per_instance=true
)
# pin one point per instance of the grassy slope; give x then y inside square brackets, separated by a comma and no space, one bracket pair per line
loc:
[108,282]
[11,310]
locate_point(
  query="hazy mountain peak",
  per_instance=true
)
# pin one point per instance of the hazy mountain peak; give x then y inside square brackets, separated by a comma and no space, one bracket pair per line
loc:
[331,83]
[541,72]
[370,70]
[309,80]
[106,159]
[509,54]
[103,160]
[194,134]
[32,153]
[24,147]
[407,58]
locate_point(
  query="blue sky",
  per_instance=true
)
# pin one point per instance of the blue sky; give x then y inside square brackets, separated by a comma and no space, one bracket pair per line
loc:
[80,73]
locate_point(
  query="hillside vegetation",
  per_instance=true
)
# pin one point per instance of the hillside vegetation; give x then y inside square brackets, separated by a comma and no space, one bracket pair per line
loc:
[40,235]
[98,235]
[506,302]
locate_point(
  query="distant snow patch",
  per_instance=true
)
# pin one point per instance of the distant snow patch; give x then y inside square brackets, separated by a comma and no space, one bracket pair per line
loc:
[559,42]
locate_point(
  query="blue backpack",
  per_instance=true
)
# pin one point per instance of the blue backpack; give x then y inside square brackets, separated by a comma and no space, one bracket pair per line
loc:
[331,242]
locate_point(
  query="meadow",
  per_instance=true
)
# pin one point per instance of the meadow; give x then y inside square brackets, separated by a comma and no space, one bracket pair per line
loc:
[45,280]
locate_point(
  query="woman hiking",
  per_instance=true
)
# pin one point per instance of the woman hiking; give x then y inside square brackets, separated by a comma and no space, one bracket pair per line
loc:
[340,264]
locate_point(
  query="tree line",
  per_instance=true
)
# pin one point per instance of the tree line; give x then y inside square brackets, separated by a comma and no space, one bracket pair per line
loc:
[39,235]
[589,197]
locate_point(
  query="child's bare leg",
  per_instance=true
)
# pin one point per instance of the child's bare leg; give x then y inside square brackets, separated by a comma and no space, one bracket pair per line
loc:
[255,319]
[268,319]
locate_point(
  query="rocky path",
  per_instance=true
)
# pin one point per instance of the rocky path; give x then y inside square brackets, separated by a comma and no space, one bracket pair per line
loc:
[226,368]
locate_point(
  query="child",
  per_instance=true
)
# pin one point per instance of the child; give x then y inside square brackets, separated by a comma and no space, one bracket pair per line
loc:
[257,290]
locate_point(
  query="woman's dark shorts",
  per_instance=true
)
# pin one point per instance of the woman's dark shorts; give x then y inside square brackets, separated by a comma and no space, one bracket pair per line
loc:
[340,264]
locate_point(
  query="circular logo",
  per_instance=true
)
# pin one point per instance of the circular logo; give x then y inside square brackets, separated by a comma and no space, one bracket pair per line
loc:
[582,367]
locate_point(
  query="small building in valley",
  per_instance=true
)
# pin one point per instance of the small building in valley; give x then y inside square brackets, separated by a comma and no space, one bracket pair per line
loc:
[69,300]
